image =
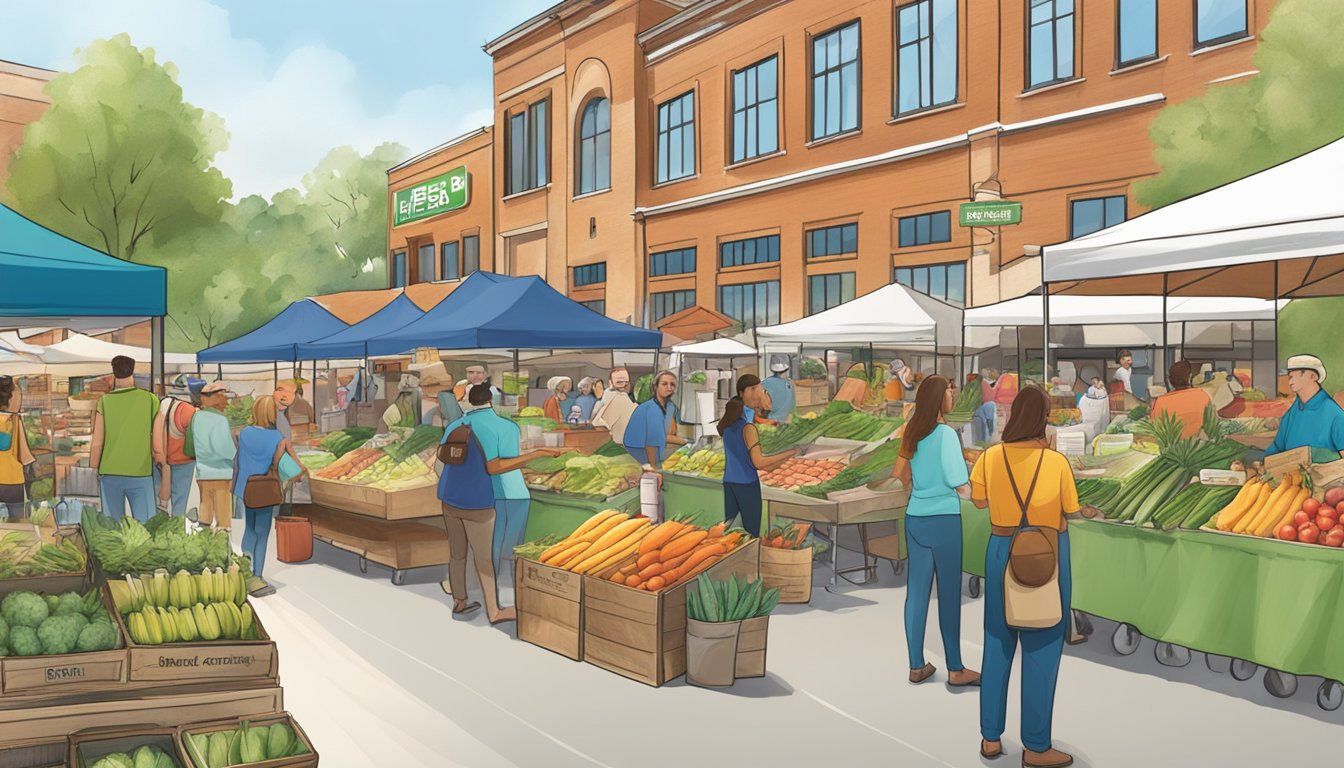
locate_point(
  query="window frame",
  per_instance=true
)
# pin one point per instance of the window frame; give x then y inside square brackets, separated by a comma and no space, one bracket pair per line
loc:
[1230,37]
[598,271]
[772,249]
[665,298]
[1103,198]
[690,95]
[456,273]
[765,285]
[682,252]
[536,168]
[914,217]
[896,112]
[810,234]
[404,279]
[596,138]
[825,279]
[752,110]
[422,251]
[926,270]
[474,257]
[1121,63]
[812,76]
[1054,46]
[589,305]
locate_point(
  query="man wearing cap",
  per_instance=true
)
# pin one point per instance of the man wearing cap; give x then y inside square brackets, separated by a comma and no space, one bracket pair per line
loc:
[1314,420]
[171,422]
[476,375]
[614,410]
[212,440]
[780,389]
[438,404]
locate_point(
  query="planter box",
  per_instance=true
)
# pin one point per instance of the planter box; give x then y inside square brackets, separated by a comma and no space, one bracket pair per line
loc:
[751,645]
[642,635]
[550,608]
[202,660]
[302,761]
[406,504]
[89,747]
[67,672]
[789,571]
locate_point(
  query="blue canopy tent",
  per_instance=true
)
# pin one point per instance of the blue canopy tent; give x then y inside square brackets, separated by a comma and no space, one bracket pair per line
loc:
[278,340]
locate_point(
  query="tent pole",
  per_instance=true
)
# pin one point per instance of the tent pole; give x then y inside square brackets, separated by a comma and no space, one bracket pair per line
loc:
[1045,333]
[961,357]
[275,374]
[1275,374]
[156,372]
[1166,363]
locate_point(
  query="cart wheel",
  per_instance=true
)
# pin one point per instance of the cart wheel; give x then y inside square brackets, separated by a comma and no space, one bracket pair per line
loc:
[363,564]
[1221,666]
[1243,670]
[1281,685]
[1083,623]
[1170,655]
[398,577]
[973,587]
[1330,695]
[1126,639]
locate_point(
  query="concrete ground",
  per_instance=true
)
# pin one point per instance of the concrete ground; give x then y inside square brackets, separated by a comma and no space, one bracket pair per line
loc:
[384,675]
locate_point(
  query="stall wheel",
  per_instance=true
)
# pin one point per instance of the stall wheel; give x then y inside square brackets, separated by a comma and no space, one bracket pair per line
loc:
[1280,685]
[1330,695]
[1170,655]
[897,567]
[1083,623]
[398,577]
[1243,670]
[1126,639]
[1222,665]
[973,586]
[363,564]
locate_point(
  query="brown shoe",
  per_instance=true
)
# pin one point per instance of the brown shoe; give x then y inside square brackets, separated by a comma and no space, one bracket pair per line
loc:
[505,614]
[963,678]
[1051,758]
[991,750]
[918,676]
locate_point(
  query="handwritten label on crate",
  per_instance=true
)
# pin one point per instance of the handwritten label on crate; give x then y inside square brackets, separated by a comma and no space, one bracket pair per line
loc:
[255,660]
[555,581]
[35,674]
[1225,477]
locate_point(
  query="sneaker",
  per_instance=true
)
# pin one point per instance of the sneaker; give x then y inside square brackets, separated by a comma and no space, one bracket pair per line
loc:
[258,587]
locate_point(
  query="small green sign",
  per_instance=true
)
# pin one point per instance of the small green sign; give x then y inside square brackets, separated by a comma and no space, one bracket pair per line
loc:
[993,213]
[440,194]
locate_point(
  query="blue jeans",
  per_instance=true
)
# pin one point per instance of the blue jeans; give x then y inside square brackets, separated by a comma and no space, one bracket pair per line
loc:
[935,551]
[257,535]
[1041,652]
[179,482]
[117,491]
[982,423]
[743,499]
[510,528]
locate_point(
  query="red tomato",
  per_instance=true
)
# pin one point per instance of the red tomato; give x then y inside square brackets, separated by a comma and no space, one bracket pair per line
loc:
[1339,508]
[1334,496]
[1330,512]
[1335,538]
[1320,538]
[1310,506]
[1302,518]
[1325,523]
[1288,532]
[1308,534]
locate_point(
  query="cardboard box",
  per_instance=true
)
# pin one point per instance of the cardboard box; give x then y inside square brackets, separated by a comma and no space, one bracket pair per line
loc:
[405,504]
[202,660]
[87,748]
[789,571]
[301,761]
[550,608]
[66,672]
[642,635]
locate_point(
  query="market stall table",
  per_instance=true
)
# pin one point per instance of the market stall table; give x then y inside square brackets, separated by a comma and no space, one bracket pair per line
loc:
[401,544]
[861,510]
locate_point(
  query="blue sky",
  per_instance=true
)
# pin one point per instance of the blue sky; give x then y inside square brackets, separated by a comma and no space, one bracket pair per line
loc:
[294,78]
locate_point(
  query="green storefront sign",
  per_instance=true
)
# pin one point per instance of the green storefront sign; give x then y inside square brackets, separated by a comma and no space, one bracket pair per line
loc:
[440,194]
[994,213]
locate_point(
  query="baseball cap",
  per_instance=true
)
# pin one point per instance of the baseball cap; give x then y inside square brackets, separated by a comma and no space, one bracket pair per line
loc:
[214,387]
[779,364]
[1305,363]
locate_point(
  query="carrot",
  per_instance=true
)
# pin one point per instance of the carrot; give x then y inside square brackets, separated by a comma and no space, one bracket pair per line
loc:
[651,571]
[683,545]
[676,562]
[731,540]
[694,561]
[718,529]
[618,533]
[660,536]
[603,528]
[633,581]
[593,522]
[655,584]
[555,550]
[777,542]
[687,574]
[648,558]
[628,570]
[570,555]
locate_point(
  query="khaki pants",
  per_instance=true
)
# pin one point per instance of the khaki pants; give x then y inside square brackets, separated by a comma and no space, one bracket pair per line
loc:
[216,503]
[473,528]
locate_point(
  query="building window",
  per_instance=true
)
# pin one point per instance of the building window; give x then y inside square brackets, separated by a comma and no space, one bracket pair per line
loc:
[527,149]
[424,264]
[670,303]
[597,305]
[398,269]
[451,265]
[471,254]
[926,228]
[1135,32]
[1049,42]
[835,81]
[676,138]
[827,291]
[590,274]
[926,59]
[752,304]
[595,147]
[1096,214]
[946,282]
[1217,21]
[753,250]
[756,110]
[678,262]
[833,241]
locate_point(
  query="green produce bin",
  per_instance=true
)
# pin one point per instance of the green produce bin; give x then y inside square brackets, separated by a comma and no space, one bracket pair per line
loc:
[558,514]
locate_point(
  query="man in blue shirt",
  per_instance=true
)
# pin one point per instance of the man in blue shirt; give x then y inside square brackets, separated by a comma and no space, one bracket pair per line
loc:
[653,425]
[1314,420]
[781,391]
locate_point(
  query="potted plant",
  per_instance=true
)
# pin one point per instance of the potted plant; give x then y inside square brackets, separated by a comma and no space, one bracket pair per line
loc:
[718,615]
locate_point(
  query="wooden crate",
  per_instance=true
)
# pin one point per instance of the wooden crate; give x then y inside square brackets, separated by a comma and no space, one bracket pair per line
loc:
[550,608]
[375,502]
[91,746]
[642,635]
[809,393]
[67,672]
[203,660]
[751,645]
[304,761]
[54,583]
[789,571]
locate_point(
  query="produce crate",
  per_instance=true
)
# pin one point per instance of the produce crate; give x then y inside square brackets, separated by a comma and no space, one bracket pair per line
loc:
[809,393]
[550,607]
[375,502]
[789,571]
[585,439]
[751,645]
[66,672]
[53,583]
[88,747]
[202,660]
[642,635]
[303,761]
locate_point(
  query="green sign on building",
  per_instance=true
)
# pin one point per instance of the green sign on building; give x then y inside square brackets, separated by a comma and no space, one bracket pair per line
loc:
[991,213]
[440,194]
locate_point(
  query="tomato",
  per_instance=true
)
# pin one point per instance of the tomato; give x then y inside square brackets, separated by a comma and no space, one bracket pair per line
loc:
[1310,506]
[1339,508]
[1334,496]
[1288,532]
[1308,534]
[1335,538]
[1325,523]
[1330,512]
[1320,538]
[1302,518]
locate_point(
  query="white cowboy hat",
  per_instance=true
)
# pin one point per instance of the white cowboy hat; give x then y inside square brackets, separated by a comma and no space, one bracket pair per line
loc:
[1305,363]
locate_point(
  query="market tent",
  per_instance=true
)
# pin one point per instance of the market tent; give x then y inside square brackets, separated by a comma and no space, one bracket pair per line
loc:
[302,321]
[1277,233]
[352,341]
[78,348]
[1120,310]
[892,316]
[514,313]
[715,348]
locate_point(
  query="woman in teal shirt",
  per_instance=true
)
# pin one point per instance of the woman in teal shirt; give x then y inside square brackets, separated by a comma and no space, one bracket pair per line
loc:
[932,466]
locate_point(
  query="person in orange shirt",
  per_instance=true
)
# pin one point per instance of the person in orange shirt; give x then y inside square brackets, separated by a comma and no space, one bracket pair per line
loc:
[1183,401]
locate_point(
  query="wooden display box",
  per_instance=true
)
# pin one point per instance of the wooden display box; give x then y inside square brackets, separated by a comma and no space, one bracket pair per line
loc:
[808,393]
[585,440]
[52,583]
[550,608]
[202,660]
[406,504]
[751,645]
[789,571]
[88,747]
[642,635]
[66,672]
[302,761]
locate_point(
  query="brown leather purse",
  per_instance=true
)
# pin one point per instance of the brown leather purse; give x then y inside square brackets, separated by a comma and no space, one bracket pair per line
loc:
[453,450]
[263,491]
[1034,553]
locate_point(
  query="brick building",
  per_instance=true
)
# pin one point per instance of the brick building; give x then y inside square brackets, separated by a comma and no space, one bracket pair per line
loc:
[21,102]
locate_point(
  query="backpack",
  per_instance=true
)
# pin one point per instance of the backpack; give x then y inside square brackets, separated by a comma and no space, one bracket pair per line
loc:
[453,449]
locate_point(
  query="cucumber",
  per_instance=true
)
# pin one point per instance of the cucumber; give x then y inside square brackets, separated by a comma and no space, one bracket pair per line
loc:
[1164,490]
[1205,512]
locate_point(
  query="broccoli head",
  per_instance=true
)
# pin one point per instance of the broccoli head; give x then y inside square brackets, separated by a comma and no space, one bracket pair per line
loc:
[23,641]
[52,602]
[68,604]
[24,609]
[59,634]
[97,637]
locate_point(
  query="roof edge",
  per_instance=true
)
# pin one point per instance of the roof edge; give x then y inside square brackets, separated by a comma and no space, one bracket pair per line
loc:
[440,148]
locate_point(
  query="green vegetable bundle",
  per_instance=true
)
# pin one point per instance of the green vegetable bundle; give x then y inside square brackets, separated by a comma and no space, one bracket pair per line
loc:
[346,440]
[421,439]
[245,745]
[874,466]
[611,450]
[37,625]
[731,600]
[18,559]
[148,756]
[969,399]
[239,412]
[644,388]
[162,543]
[549,465]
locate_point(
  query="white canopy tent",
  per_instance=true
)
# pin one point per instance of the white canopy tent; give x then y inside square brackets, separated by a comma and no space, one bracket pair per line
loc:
[892,316]
[715,348]
[1121,310]
[78,355]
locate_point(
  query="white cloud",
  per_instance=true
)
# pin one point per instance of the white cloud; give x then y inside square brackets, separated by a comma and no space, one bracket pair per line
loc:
[282,115]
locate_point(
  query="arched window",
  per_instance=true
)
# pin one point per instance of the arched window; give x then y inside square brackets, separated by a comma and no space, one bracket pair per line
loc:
[594,161]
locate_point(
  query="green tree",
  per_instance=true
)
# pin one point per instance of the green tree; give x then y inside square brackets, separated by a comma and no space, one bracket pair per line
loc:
[120,160]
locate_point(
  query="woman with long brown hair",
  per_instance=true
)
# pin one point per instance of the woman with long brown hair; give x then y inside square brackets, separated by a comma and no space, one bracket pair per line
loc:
[744,460]
[1024,483]
[932,466]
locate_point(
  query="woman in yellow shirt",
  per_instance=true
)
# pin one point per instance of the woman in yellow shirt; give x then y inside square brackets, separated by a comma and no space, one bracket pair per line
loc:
[1045,481]
[15,455]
